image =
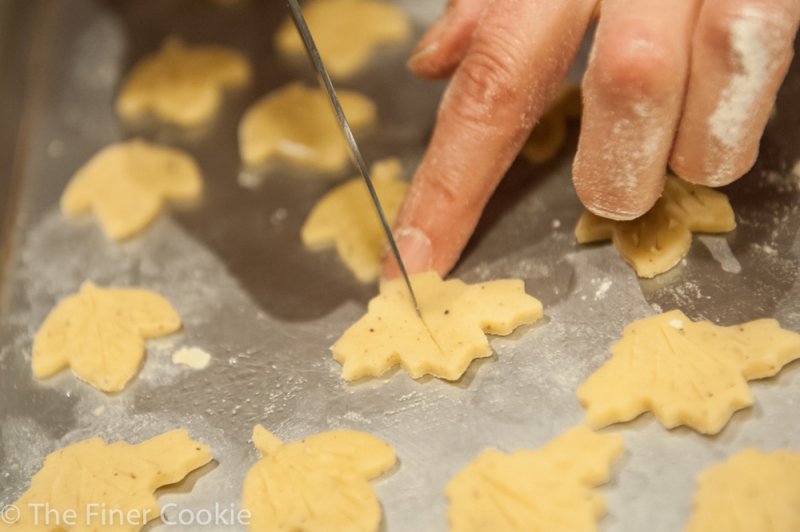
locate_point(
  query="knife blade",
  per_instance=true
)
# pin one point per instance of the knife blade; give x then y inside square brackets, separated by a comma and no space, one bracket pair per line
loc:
[358,159]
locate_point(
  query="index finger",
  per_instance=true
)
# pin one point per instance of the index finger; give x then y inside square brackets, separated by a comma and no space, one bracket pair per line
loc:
[516,61]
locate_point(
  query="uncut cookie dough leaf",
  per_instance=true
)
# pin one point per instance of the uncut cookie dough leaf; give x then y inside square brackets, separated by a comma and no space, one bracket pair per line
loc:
[182,84]
[655,242]
[92,477]
[126,185]
[751,491]
[346,218]
[316,484]
[100,334]
[297,124]
[347,32]
[457,317]
[686,373]
[546,489]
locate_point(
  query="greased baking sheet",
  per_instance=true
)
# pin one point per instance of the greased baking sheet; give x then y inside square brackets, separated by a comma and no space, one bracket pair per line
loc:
[267,310]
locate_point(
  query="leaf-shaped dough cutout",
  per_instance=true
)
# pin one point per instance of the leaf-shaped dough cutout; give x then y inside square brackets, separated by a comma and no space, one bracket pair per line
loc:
[126,185]
[345,217]
[550,132]
[546,489]
[296,123]
[457,317]
[686,373]
[655,242]
[751,491]
[100,333]
[317,484]
[347,32]
[100,481]
[182,84]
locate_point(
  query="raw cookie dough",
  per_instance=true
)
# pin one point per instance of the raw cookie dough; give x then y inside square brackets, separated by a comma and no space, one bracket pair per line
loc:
[346,218]
[182,84]
[347,32]
[751,491]
[686,373]
[99,333]
[457,317]
[655,242]
[101,482]
[547,489]
[316,484]
[126,184]
[549,134]
[296,123]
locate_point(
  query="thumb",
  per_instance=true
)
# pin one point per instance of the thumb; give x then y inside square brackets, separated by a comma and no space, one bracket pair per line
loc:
[486,114]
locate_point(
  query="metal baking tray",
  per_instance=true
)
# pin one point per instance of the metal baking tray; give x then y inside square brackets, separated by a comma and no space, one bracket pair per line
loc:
[267,310]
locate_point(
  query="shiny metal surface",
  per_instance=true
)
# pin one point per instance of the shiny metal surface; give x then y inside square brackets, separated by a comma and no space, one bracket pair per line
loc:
[267,310]
[355,153]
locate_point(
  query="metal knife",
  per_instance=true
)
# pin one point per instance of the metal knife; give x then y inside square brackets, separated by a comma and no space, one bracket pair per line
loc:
[327,85]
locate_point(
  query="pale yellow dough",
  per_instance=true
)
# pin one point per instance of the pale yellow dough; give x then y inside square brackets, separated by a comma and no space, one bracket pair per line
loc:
[127,184]
[99,333]
[182,84]
[297,124]
[346,218]
[100,481]
[457,317]
[318,484]
[655,242]
[528,491]
[347,32]
[752,491]
[686,373]
[549,134]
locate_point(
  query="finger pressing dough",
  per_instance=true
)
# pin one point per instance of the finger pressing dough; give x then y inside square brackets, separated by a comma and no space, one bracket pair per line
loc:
[297,124]
[182,84]
[543,490]
[346,218]
[317,484]
[126,185]
[751,491]
[549,134]
[457,317]
[686,373]
[99,333]
[655,242]
[97,481]
[347,32]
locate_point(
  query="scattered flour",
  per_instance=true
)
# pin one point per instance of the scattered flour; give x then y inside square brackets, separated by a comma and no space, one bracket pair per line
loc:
[602,290]
[192,357]
[99,411]
[676,324]
[557,222]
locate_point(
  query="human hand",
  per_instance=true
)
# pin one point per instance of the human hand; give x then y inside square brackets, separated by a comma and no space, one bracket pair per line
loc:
[688,83]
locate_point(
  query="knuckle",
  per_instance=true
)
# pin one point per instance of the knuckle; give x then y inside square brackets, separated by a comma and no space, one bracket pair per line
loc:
[635,63]
[488,79]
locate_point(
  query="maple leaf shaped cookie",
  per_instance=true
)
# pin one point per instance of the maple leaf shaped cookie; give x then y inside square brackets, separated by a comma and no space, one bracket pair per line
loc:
[686,373]
[94,481]
[182,84]
[347,32]
[126,185]
[457,317]
[546,489]
[316,484]
[296,123]
[655,242]
[346,218]
[550,132]
[99,333]
[751,491]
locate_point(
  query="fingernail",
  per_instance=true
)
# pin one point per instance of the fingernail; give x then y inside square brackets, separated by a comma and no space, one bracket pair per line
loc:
[419,56]
[415,249]
[429,43]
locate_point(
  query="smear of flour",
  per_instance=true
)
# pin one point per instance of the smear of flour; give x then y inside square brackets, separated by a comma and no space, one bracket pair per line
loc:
[756,42]
[602,290]
[192,357]
[722,253]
